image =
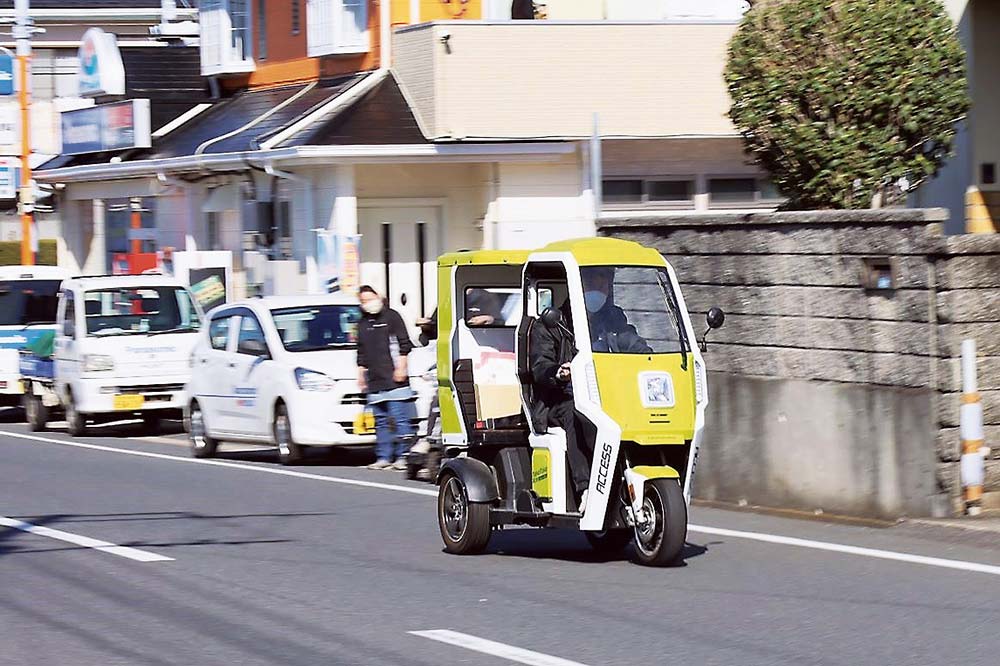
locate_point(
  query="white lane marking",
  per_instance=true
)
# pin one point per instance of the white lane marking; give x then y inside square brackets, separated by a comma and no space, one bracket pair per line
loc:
[86,542]
[757,536]
[961,565]
[223,463]
[502,650]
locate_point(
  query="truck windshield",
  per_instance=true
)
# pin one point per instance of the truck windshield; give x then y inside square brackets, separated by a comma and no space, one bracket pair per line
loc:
[139,310]
[26,302]
[632,310]
[317,327]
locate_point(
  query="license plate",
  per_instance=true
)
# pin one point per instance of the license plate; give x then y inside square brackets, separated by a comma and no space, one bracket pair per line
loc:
[364,423]
[129,402]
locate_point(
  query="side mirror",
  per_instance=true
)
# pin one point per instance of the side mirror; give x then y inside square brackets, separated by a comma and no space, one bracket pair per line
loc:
[252,347]
[551,317]
[715,319]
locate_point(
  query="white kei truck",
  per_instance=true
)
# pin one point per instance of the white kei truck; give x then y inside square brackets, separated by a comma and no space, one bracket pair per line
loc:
[122,349]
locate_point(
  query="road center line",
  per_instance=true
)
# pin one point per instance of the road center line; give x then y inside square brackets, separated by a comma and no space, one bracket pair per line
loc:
[86,542]
[502,650]
[754,536]
[851,550]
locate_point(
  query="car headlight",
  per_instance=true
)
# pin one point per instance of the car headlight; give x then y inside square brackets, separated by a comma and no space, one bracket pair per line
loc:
[98,363]
[310,380]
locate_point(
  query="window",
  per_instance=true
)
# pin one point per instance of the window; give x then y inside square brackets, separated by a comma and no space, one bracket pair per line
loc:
[261,30]
[250,331]
[69,316]
[640,314]
[212,229]
[132,310]
[492,306]
[316,328]
[218,332]
[225,28]
[654,192]
[296,18]
[732,192]
[336,26]
[26,302]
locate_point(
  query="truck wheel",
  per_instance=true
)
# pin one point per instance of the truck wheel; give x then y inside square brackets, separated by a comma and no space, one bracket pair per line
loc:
[36,412]
[76,423]
[609,541]
[202,446]
[659,540]
[465,525]
[289,453]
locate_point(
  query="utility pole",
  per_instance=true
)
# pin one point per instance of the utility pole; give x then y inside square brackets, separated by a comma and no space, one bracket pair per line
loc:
[22,34]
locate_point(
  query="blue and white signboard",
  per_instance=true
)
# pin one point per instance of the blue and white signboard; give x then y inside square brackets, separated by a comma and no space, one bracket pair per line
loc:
[6,74]
[105,127]
[101,69]
[10,177]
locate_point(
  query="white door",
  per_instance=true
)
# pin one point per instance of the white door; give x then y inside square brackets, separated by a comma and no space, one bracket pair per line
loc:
[246,372]
[210,374]
[399,251]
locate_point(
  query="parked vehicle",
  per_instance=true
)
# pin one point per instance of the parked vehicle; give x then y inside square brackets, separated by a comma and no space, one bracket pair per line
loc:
[639,387]
[29,296]
[122,348]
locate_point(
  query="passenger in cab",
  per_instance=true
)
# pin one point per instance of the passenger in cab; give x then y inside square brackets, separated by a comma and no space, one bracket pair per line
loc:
[610,330]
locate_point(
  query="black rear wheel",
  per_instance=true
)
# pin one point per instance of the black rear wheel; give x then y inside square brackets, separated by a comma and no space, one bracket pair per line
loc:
[465,525]
[36,413]
[662,527]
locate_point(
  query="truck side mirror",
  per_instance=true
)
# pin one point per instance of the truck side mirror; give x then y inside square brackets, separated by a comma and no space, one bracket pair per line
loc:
[715,319]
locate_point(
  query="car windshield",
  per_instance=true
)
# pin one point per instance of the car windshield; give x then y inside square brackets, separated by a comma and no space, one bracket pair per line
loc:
[139,310]
[317,327]
[632,310]
[26,302]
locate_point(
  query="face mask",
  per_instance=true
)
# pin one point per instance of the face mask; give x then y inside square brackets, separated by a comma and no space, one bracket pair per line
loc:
[594,300]
[372,307]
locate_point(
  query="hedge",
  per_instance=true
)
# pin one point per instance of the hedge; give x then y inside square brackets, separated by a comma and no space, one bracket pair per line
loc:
[10,253]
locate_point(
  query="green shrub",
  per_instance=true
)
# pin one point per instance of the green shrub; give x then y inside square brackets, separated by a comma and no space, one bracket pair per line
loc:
[10,253]
[841,99]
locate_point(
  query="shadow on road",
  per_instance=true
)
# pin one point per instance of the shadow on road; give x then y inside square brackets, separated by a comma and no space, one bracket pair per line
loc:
[11,415]
[564,545]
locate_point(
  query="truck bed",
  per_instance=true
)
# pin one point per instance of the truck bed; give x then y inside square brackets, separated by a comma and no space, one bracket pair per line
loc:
[36,368]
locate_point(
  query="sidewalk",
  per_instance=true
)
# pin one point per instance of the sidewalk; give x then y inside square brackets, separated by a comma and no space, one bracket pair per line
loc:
[989,521]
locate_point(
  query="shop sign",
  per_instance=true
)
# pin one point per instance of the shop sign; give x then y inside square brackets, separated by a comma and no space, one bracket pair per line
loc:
[10,177]
[6,74]
[10,123]
[338,261]
[97,129]
[101,70]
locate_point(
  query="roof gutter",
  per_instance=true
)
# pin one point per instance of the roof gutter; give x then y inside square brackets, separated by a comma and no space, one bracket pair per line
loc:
[315,154]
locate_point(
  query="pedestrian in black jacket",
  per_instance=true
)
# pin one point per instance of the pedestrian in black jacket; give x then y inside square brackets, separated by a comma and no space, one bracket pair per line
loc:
[383,345]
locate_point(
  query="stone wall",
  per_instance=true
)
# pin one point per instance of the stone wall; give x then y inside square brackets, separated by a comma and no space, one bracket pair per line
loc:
[825,393]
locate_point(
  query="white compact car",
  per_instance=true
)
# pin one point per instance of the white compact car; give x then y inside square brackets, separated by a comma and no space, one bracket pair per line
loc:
[281,370]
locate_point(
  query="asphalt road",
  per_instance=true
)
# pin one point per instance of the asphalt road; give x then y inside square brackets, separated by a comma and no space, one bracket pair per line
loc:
[267,567]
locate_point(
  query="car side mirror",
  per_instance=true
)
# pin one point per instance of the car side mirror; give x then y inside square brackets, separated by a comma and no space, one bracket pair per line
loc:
[715,319]
[252,347]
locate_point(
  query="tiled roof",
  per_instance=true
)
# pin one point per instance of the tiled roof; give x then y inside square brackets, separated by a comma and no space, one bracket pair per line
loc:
[380,117]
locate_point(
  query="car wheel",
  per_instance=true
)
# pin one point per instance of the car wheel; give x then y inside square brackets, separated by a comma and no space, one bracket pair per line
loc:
[659,539]
[36,413]
[465,525]
[202,446]
[76,423]
[289,453]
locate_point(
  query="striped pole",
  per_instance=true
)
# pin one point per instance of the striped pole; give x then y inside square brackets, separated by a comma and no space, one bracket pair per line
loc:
[974,449]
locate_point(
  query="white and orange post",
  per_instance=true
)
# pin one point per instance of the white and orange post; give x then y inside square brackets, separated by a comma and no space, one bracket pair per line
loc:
[974,450]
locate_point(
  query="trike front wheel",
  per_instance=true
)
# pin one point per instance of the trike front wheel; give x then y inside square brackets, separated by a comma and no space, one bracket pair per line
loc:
[662,530]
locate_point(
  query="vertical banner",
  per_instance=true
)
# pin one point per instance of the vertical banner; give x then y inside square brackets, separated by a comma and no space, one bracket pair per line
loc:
[338,262]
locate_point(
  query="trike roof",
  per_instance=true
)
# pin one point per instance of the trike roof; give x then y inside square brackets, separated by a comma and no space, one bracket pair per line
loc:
[586,251]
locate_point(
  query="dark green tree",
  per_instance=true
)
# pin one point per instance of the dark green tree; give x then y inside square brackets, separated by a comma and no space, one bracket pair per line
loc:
[841,100]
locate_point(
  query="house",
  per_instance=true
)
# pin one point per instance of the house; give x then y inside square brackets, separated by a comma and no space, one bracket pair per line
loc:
[423,127]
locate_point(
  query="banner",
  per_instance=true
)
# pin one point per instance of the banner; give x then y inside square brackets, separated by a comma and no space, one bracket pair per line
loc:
[338,262]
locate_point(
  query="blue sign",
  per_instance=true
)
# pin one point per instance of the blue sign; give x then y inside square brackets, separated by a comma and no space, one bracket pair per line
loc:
[10,179]
[22,337]
[97,129]
[6,74]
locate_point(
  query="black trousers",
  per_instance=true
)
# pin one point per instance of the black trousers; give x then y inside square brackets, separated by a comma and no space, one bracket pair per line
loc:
[579,442]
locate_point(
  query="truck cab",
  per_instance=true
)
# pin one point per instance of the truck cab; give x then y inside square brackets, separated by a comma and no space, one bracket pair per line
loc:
[123,347]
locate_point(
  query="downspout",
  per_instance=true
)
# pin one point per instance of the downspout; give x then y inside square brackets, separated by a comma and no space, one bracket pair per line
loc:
[312,273]
[384,34]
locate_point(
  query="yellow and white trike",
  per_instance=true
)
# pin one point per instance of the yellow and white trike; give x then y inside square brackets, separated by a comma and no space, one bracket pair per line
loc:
[634,380]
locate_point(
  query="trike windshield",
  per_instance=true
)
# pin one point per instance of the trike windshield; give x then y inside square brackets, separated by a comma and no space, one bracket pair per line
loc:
[631,310]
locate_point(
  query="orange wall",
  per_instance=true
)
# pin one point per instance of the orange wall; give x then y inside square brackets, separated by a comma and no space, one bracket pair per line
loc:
[438,10]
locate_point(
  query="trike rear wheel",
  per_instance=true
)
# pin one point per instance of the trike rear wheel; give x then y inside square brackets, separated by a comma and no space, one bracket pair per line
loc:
[660,536]
[465,525]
